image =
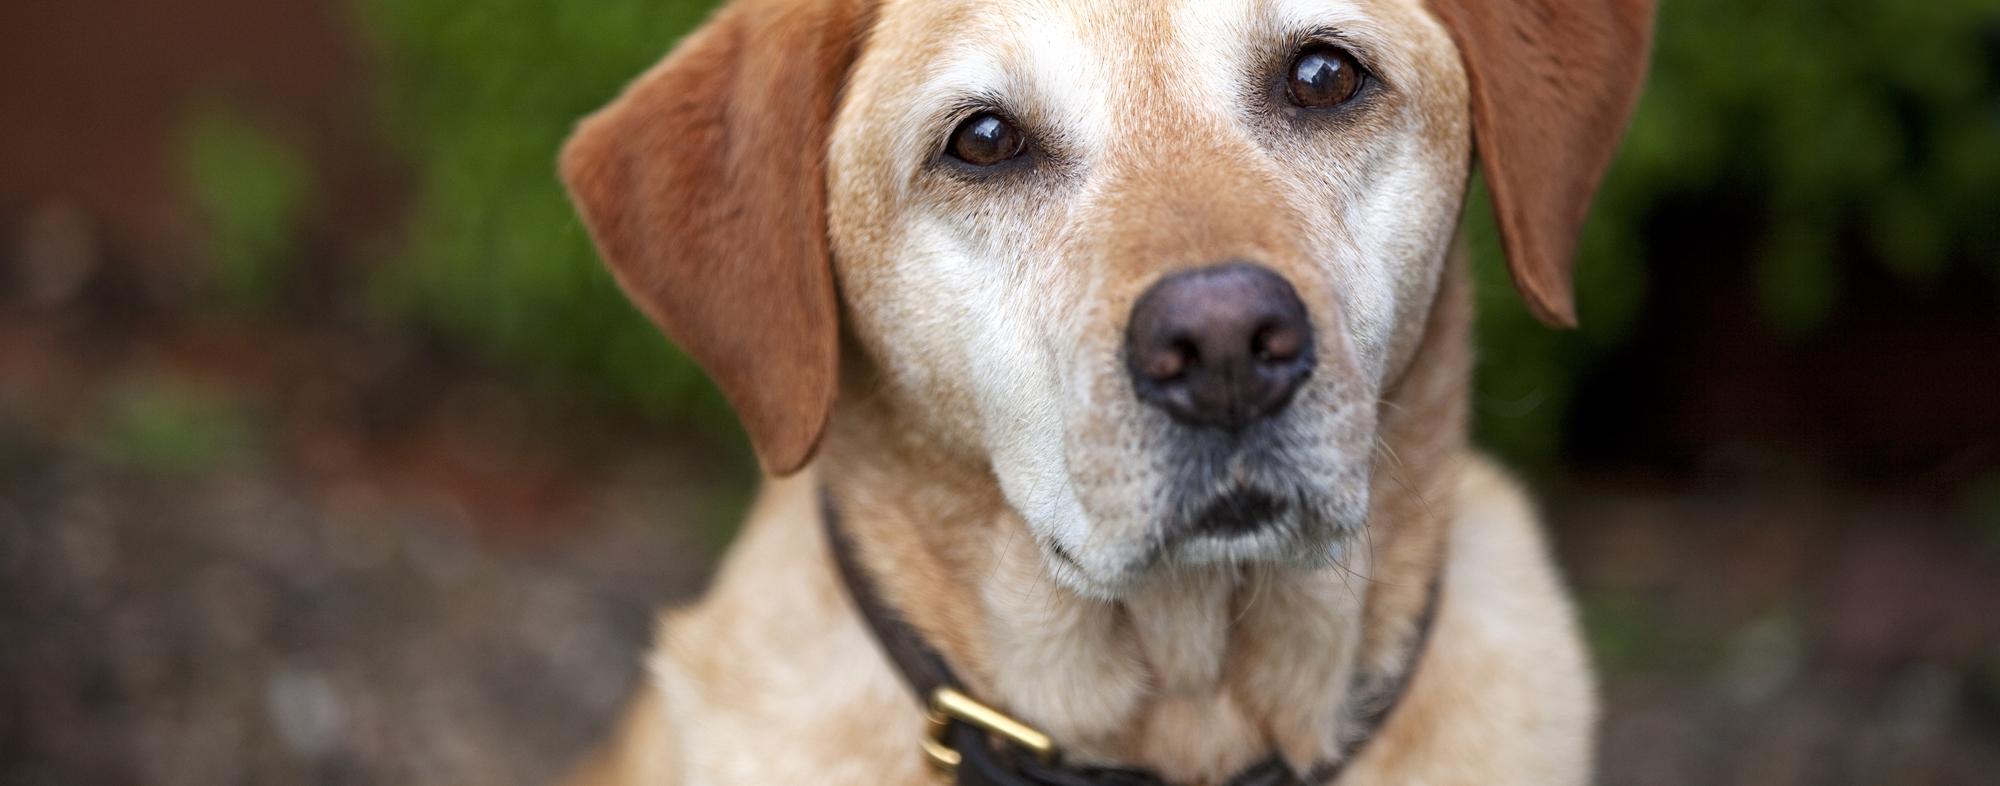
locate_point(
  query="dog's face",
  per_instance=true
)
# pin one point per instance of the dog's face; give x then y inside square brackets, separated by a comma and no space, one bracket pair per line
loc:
[1156,265]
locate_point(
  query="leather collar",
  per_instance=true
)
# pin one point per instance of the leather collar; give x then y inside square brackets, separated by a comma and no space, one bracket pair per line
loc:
[984,758]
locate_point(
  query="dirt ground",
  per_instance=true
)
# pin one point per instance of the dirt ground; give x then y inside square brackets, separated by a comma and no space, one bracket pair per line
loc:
[338,567]
[1756,629]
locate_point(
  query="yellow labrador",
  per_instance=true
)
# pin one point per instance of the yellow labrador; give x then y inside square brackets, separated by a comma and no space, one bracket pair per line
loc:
[1125,345]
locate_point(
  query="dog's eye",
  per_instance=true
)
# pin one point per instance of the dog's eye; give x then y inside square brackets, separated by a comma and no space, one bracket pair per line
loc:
[985,139]
[1323,76]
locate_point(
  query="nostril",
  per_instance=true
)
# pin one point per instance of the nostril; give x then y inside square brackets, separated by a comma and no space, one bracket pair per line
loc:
[1277,343]
[1167,362]
[1186,353]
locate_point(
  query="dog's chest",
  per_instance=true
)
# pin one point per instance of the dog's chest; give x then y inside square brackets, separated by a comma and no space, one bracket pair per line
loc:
[1196,677]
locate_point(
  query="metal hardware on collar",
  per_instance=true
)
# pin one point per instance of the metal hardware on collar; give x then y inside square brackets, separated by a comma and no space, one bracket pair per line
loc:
[941,754]
[948,705]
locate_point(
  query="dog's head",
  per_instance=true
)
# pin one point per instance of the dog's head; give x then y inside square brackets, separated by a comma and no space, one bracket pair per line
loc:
[1153,263]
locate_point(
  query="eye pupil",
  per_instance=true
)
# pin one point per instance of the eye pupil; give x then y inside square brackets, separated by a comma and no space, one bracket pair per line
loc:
[985,139]
[1324,76]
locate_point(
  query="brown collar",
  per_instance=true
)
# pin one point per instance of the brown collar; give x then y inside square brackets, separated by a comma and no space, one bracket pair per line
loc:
[981,746]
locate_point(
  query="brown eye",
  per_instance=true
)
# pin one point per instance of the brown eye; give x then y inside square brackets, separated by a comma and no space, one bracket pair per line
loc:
[1323,76]
[985,139]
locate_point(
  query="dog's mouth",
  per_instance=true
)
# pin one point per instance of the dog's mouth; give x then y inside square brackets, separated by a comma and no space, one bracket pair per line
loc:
[1263,496]
[1238,512]
[1231,486]
[1283,492]
[1236,524]
[1241,523]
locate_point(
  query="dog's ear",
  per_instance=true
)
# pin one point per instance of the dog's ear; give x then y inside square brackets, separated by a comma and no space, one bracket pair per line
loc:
[703,185]
[1553,85]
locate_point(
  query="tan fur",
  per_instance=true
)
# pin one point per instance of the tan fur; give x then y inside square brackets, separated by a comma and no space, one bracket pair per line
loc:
[984,423]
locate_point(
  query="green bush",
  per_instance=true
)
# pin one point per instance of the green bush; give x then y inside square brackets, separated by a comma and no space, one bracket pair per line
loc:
[477,97]
[251,190]
[172,426]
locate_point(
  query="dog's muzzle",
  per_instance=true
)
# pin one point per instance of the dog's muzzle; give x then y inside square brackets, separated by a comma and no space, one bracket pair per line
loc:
[1222,350]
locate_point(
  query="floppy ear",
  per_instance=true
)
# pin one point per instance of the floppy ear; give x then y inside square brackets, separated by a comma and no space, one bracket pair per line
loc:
[703,186]
[1553,85]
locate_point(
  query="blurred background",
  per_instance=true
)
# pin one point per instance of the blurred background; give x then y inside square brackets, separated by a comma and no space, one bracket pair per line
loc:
[329,454]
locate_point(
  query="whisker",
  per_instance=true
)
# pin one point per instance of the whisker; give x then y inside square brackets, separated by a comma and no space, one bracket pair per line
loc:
[1257,579]
[1005,549]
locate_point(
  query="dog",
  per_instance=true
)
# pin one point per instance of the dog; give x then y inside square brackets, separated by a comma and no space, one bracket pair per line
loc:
[1117,354]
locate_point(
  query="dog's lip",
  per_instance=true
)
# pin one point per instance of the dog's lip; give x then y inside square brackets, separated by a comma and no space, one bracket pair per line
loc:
[1277,533]
[1298,520]
[1239,511]
[1110,577]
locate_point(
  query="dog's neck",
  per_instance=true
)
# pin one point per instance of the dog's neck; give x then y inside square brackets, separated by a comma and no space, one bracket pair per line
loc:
[1203,670]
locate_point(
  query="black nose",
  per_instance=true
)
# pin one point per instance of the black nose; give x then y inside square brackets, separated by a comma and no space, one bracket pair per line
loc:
[1220,346]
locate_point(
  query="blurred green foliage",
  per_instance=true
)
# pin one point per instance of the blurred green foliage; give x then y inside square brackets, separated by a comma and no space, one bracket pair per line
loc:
[1623,631]
[251,188]
[477,97]
[1871,119]
[172,425]
[1844,120]
[1979,505]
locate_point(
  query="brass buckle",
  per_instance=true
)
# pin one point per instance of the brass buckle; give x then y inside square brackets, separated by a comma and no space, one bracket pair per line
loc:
[948,705]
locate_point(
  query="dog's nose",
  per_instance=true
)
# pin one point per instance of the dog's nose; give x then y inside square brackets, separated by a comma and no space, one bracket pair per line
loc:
[1219,346]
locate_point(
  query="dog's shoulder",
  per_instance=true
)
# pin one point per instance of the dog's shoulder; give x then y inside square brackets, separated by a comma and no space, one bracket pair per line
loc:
[1504,690]
[744,686]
